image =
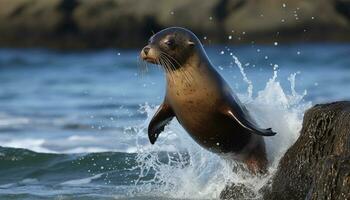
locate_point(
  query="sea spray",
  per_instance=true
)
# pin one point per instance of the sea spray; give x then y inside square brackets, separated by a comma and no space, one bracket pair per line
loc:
[178,167]
[244,75]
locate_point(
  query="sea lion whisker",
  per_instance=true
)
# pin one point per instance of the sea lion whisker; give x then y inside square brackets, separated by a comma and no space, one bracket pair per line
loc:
[182,71]
[171,74]
[185,75]
[166,67]
[168,64]
[159,63]
[142,66]
[169,56]
[188,77]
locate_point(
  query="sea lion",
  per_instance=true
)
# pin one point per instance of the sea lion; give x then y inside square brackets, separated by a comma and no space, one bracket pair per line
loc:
[202,101]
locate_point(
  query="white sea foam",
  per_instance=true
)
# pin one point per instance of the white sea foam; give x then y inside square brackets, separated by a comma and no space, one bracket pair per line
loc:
[6,186]
[70,144]
[82,181]
[29,181]
[203,174]
[26,143]
[11,121]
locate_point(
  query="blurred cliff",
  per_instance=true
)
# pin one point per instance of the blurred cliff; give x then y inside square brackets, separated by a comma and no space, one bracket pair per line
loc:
[129,23]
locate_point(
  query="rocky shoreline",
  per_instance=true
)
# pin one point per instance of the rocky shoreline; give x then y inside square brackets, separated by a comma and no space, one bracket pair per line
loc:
[129,23]
[317,165]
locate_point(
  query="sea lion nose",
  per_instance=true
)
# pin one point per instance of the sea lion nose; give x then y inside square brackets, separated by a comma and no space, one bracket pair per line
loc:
[146,50]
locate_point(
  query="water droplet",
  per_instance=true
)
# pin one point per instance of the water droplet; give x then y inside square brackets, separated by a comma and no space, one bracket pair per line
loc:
[230,37]
[284,5]
[222,52]
[217,144]
[118,54]
[312,17]
[266,57]
[258,50]
[275,43]
[210,18]
[282,20]
[172,12]
[205,37]
[298,52]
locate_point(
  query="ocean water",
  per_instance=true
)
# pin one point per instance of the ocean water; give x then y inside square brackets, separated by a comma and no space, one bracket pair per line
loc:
[73,124]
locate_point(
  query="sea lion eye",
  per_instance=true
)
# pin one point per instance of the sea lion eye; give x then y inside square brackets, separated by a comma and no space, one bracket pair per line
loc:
[169,42]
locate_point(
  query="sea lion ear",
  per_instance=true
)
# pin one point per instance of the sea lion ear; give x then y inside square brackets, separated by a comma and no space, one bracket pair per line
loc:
[190,43]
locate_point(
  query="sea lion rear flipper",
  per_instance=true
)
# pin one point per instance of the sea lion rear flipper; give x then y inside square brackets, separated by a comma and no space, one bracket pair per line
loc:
[241,120]
[162,117]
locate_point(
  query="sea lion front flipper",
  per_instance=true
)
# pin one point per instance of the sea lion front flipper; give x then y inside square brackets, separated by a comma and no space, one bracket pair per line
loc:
[241,120]
[162,117]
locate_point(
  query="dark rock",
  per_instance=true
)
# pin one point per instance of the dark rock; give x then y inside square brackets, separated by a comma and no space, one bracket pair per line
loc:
[265,20]
[317,166]
[31,23]
[343,7]
[238,191]
[129,23]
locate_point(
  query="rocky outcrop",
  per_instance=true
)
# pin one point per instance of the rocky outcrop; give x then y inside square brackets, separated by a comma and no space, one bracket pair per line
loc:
[129,23]
[238,192]
[317,166]
[288,20]
[36,23]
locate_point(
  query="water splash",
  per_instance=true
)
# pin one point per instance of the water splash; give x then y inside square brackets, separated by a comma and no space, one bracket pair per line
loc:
[177,167]
[244,75]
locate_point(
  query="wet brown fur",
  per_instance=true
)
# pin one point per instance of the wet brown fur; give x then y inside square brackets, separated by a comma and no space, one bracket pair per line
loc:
[202,101]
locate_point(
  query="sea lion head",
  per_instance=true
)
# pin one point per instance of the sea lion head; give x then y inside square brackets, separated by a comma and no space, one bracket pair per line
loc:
[171,47]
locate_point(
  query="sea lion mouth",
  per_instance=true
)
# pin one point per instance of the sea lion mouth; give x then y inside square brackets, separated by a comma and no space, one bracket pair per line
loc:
[148,55]
[149,59]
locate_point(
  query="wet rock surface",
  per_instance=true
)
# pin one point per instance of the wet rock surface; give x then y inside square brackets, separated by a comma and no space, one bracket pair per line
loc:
[238,191]
[317,166]
[129,23]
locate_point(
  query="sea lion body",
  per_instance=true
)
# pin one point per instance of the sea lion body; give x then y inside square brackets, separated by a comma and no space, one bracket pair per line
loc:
[196,108]
[202,101]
